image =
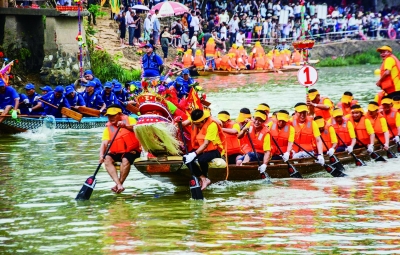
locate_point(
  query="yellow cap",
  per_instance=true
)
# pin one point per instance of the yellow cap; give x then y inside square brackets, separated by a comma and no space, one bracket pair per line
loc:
[242,117]
[346,99]
[301,108]
[372,107]
[312,95]
[282,116]
[396,105]
[113,111]
[383,48]
[241,47]
[206,114]
[260,115]
[337,112]
[261,107]
[386,101]
[320,122]
[234,46]
[257,44]
[223,117]
[198,52]
[357,110]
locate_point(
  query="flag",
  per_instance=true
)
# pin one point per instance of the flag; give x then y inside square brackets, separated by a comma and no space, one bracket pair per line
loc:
[114,6]
[194,100]
[5,71]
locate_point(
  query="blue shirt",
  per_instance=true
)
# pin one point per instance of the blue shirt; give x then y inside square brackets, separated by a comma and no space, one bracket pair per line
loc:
[8,97]
[59,102]
[23,106]
[122,97]
[93,101]
[77,100]
[109,99]
[151,65]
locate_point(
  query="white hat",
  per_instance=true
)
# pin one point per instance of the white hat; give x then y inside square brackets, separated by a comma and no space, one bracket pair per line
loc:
[307,16]
[372,15]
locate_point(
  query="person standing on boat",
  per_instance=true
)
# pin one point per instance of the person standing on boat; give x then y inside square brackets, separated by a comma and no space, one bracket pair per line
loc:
[346,102]
[345,130]
[9,100]
[152,63]
[124,149]
[392,117]
[307,134]
[89,76]
[328,135]
[35,107]
[364,130]
[283,132]
[207,140]
[231,129]
[390,72]
[92,98]
[261,139]
[74,99]
[318,105]
[57,99]
[108,95]
[379,124]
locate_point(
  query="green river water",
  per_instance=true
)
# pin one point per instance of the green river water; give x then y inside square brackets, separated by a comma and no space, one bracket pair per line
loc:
[41,173]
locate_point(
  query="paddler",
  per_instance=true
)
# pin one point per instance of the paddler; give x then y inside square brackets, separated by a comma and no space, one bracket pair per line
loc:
[297,57]
[207,140]
[182,90]
[122,97]
[346,102]
[363,127]
[264,108]
[328,135]
[9,100]
[319,106]
[199,61]
[187,59]
[88,76]
[232,64]
[92,98]
[231,129]
[307,134]
[187,80]
[390,72]
[124,149]
[392,117]
[108,95]
[57,99]
[345,130]
[45,90]
[210,50]
[283,132]
[258,49]
[261,139]
[74,99]
[379,124]
[35,106]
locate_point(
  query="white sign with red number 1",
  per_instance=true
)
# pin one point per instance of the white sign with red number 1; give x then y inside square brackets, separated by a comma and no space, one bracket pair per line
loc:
[307,76]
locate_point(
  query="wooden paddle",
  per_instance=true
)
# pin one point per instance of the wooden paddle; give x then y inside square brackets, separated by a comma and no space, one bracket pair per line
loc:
[263,175]
[88,186]
[358,161]
[333,159]
[329,168]
[129,107]
[89,111]
[65,111]
[291,169]
[373,154]
[194,184]
[389,153]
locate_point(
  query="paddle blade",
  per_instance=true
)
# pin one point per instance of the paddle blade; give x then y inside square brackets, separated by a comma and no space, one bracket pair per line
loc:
[377,157]
[293,173]
[359,162]
[390,154]
[265,176]
[195,188]
[87,189]
[333,171]
[398,147]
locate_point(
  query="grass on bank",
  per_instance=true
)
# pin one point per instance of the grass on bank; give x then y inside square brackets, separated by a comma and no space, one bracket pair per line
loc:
[368,57]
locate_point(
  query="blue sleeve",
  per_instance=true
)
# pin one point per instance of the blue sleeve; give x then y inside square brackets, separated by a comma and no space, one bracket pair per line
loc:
[13,93]
[81,102]
[99,100]
[66,103]
[115,100]
[159,60]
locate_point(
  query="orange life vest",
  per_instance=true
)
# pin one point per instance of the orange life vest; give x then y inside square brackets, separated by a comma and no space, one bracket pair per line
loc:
[187,60]
[241,62]
[277,61]
[379,96]
[258,138]
[376,124]
[387,84]
[391,121]
[241,53]
[281,137]
[260,63]
[232,142]
[304,134]
[267,61]
[233,62]
[342,131]
[346,110]
[199,61]
[218,63]
[224,62]
[234,51]
[325,135]
[125,141]
[296,57]
[361,130]
[250,59]
[326,114]
[210,49]
[198,136]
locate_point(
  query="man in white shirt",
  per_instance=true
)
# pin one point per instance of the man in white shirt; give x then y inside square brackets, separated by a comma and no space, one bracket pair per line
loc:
[193,43]
[315,25]
[297,11]
[288,8]
[147,28]
[195,23]
[224,17]
[240,38]
[233,28]
[352,23]
[131,26]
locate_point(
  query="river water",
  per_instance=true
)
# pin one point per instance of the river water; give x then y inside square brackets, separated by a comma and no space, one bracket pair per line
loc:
[41,174]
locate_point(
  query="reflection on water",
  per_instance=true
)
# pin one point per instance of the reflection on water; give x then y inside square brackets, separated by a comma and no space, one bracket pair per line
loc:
[40,178]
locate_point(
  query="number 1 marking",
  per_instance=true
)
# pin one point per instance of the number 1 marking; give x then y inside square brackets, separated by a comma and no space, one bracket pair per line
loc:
[307,72]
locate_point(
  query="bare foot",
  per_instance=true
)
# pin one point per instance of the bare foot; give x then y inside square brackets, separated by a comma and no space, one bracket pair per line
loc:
[204,183]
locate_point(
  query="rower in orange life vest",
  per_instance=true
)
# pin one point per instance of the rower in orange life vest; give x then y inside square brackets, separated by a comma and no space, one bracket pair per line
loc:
[345,130]
[207,140]
[243,119]
[307,134]
[199,61]
[264,108]
[392,117]
[346,102]
[283,132]
[363,127]
[124,149]
[319,106]
[390,72]
[231,129]
[379,124]
[261,139]
[328,135]
[187,59]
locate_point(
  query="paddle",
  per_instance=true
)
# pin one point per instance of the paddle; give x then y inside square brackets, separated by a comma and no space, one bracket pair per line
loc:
[263,175]
[358,161]
[291,169]
[373,154]
[65,111]
[333,159]
[389,153]
[129,107]
[398,144]
[88,185]
[194,184]
[329,168]
[89,111]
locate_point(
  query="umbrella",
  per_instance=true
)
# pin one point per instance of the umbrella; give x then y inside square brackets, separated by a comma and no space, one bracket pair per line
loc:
[168,9]
[141,7]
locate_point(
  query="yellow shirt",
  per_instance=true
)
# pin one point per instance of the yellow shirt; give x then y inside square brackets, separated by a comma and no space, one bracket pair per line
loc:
[236,126]
[390,64]
[106,132]
[212,134]
[397,119]
[332,134]
[350,128]
[292,133]
[384,125]
[267,142]
[368,127]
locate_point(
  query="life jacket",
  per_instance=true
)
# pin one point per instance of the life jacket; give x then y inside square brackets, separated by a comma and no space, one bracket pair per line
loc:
[233,145]
[304,134]
[260,63]
[342,131]
[391,121]
[187,60]
[258,139]
[125,141]
[361,130]
[241,63]
[218,61]
[198,136]
[210,49]
[346,110]
[198,61]
[296,57]
[267,61]
[233,62]
[327,138]
[224,62]
[379,96]
[241,53]
[326,114]
[387,84]
[234,51]
[281,137]
[149,62]
[376,124]
[277,61]
[250,59]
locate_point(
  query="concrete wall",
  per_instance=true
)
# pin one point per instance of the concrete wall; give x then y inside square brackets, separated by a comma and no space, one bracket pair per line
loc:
[390,3]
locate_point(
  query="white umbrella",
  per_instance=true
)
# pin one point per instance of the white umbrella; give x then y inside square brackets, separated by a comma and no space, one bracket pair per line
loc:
[141,7]
[168,9]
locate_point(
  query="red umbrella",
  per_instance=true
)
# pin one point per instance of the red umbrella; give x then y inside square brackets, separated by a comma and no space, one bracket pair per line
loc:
[168,9]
